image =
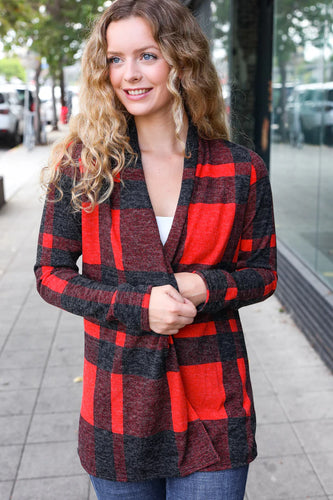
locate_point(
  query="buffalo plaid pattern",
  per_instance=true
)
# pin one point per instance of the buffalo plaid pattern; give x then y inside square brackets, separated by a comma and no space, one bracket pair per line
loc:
[153,405]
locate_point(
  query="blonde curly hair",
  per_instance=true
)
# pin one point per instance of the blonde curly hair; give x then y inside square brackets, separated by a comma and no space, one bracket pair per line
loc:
[101,127]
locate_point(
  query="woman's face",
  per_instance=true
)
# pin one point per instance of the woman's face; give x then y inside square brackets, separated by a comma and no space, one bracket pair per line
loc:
[138,71]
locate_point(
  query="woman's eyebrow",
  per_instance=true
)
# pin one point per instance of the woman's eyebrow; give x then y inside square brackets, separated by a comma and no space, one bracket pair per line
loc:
[143,49]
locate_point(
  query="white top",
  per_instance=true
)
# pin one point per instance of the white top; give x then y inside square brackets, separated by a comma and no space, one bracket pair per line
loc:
[164,226]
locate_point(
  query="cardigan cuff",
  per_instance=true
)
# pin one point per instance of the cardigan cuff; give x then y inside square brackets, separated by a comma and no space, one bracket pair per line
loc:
[145,326]
[130,306]
[217,286]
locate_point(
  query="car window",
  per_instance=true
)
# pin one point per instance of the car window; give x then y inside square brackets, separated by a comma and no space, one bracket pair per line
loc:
[2,98]
[20,94]
[308,95]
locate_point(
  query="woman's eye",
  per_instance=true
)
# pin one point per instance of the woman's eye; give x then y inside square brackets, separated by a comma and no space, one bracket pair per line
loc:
[148,57]
[113,60]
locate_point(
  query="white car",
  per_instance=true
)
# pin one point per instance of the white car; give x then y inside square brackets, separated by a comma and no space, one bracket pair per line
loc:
[45,95]
[11,115]
[310,112]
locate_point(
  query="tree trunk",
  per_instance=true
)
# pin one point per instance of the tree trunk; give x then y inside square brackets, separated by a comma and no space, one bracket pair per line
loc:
[37,111]
[54,108]
[62,86]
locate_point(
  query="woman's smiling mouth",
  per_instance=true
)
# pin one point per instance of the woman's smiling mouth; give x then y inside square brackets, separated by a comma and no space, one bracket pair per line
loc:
[135,92]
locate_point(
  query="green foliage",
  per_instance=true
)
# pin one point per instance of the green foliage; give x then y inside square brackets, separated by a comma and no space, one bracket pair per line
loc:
[14,12]
[300,22]
[58,30]
[53,30]
[221,21]
[12,67]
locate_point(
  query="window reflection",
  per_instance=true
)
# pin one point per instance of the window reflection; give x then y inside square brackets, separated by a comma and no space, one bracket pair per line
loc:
[220,24]
[302,131]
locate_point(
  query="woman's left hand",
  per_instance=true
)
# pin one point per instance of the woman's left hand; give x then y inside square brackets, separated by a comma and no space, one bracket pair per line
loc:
[192,287]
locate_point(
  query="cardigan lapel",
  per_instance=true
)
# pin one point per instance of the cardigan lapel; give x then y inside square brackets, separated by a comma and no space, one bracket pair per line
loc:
[179,222]
[145,217]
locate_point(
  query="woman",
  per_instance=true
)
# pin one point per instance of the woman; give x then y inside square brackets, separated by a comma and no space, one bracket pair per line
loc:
[175,228]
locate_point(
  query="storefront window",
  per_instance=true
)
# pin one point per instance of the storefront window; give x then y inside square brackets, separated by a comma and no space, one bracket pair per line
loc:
[302,131]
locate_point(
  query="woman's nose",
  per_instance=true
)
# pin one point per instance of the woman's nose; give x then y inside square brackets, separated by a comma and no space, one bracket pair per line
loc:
[132,72]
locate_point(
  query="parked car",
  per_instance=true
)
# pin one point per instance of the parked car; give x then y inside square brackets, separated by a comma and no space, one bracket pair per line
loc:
[45,95]
[21,91]
[11,115]
[310,113]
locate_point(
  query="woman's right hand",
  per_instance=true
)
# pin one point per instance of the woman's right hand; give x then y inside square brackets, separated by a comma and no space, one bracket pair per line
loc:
[169,310]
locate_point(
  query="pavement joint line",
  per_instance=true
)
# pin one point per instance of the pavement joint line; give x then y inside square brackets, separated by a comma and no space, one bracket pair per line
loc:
[308,456]
[277,394]
[328,419]
[49,477]
[38,443]
[291,423]
[14,254]
[35,404]
[313,466]
[17,316]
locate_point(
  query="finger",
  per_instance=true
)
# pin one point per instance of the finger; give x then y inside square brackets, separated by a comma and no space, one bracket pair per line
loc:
[174,294]
[190,303]
[187,310]
[169,332]
[173,332]
[184,320]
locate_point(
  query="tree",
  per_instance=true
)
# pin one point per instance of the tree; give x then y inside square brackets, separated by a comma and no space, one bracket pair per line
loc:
[12,13]
[12,67]
[55,31]
[221,21]
[58,31]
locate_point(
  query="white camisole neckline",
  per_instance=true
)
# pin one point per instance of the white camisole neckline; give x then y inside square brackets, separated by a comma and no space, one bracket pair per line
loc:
[164,225]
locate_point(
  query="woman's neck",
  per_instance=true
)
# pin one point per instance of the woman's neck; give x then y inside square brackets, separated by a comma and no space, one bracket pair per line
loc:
[158,135]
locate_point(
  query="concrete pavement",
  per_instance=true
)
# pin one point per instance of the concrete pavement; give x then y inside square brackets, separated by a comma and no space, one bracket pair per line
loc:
[41,351]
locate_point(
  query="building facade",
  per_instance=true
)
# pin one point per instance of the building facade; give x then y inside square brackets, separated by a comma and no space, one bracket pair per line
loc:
[275,61]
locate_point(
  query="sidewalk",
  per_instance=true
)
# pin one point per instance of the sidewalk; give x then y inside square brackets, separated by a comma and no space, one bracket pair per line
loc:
[41,352]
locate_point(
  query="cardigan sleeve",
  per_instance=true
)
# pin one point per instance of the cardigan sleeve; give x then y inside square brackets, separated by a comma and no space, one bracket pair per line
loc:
[255,277]
[59,281]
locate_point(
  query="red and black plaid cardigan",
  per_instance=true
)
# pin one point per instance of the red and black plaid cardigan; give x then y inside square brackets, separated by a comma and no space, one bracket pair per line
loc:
[156,406]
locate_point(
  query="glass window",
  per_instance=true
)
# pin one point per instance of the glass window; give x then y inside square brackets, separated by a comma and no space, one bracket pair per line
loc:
[302,131]
[220,23]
